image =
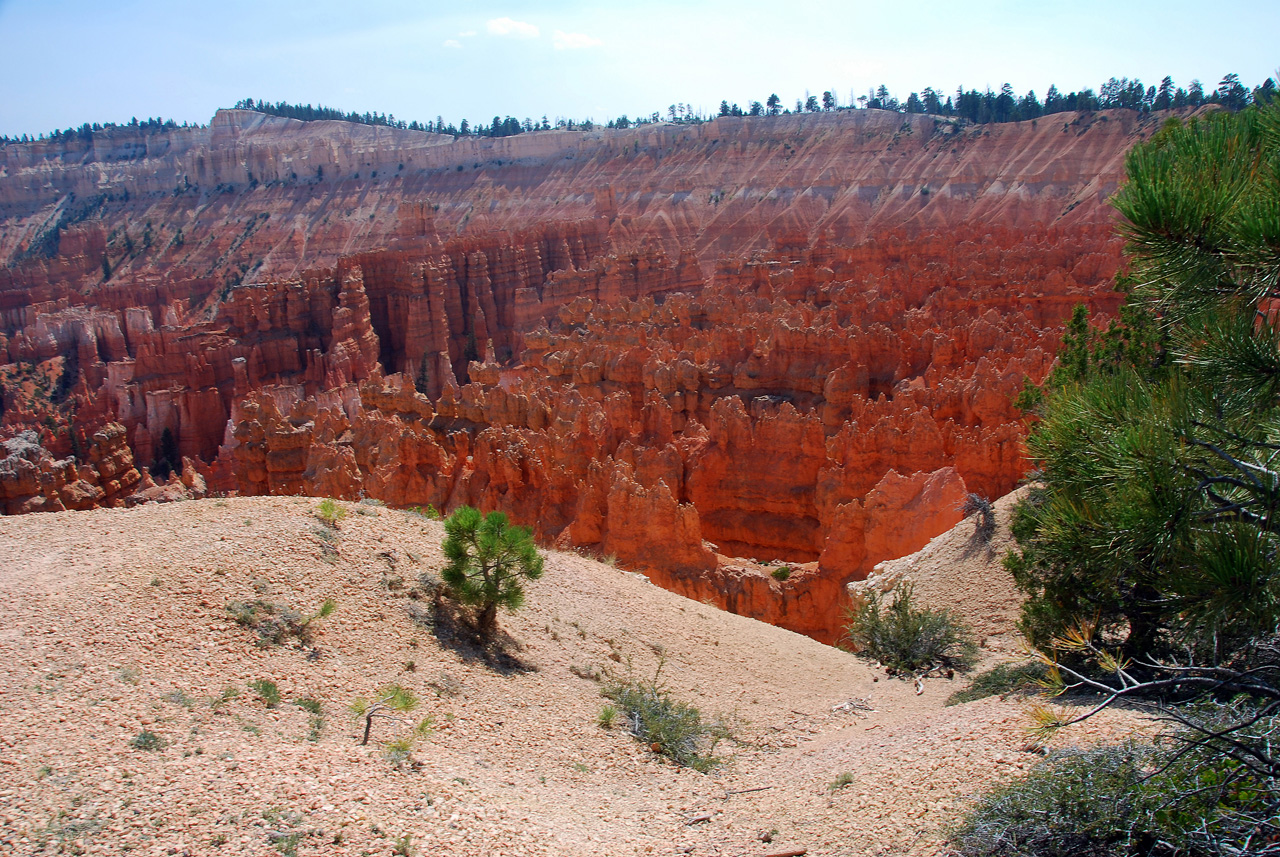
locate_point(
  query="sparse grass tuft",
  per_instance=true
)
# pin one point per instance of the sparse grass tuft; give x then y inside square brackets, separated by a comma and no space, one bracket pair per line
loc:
[326,535]
[276,623]
[315,722]
[328,539]
[229,693]
[148,740]
[445,684]
[286,843]
[1001,680]
[398,750]
[590,673]
[431,513]
[268,691]
[308,704]
[840,782]
[606,716]
[330,512]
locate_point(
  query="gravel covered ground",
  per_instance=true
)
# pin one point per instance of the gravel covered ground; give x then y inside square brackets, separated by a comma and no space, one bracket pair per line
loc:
[129,722]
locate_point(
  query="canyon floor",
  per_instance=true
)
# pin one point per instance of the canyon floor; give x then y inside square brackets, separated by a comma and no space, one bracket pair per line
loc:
[114,623]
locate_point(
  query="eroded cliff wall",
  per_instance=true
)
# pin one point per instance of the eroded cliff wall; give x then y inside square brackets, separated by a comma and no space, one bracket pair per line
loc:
[710,351]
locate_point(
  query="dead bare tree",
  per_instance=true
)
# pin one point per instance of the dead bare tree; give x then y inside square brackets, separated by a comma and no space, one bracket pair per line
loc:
[978,507]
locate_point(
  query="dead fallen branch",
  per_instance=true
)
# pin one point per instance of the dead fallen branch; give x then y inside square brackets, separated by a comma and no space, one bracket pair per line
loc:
[728,793]
[853,705]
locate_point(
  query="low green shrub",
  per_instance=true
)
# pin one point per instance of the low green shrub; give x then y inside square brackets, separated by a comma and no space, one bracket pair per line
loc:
[781,573]
[1184,794]
[276,623]
[908,639]
[671,727]
[1001,680]
[1075,802]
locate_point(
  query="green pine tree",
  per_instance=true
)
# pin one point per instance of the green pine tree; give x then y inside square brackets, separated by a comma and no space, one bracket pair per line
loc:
[488,562]
[1157,507]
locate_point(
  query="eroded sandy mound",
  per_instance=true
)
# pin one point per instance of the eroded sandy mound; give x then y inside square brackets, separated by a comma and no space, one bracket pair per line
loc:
[963,573]
[113,622]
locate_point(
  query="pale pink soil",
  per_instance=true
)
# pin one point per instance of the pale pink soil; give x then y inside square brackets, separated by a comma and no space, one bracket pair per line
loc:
[114,621]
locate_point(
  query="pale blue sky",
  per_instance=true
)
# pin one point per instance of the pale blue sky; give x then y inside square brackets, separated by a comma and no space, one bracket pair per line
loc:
[71,61]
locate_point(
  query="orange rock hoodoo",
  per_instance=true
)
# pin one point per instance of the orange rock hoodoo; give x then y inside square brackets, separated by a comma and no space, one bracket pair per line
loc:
[706,350]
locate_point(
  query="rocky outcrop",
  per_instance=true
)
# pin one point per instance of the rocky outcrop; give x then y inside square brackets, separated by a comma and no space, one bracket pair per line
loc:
[695,438]
[708,351]
[32,480]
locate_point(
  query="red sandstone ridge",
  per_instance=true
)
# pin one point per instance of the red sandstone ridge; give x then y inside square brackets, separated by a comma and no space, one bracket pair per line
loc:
[707,351]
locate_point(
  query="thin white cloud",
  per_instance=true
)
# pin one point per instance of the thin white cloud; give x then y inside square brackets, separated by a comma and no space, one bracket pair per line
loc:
[452,43]
[574,41]
[510,27]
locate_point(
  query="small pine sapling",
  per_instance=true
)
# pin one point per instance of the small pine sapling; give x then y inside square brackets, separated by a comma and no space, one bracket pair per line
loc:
[488,562]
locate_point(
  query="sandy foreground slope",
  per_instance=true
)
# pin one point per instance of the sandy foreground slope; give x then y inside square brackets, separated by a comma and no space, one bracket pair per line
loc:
[113,622]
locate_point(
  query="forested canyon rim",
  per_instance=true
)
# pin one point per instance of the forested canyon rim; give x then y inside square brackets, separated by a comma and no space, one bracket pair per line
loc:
[708,350]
